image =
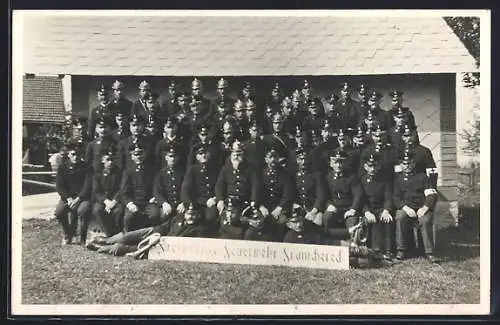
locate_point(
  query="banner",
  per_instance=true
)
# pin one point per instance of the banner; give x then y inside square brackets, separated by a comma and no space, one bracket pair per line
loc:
[250,252]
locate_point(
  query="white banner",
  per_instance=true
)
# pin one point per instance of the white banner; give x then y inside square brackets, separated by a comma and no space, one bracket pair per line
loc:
[250,252]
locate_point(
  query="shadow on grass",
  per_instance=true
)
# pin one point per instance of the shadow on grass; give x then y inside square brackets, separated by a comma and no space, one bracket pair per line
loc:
[462,243]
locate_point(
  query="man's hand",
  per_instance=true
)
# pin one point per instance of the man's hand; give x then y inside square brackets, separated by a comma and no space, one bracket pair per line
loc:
[409,211]
[264,211]
[152,200]
[318,219]
[386,217]
[311,214]
[181,208]
[331,208]
[211,202]
[167,208]
[74,203]
[132,207]
[220,206]
[276,212]
[422,211]
[370,217]
[69,201]
[349,213]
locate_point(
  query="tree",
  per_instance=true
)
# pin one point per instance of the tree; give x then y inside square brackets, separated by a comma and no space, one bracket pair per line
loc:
[468,30]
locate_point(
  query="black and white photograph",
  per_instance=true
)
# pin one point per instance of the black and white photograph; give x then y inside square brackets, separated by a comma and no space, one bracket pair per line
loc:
[316,162]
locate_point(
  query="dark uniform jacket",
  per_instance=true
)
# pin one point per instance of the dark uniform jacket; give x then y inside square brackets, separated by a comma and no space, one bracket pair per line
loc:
[74,181]
[311,123]
[254,152]
[278,189]
[106,184]
[378,193]
[310,189]
[139,107]
[344,192]
[320,161]
[241,185]
[215,154]
[124,158]
[393,111]
[169,105]
[137,185]
[119,134]
[193,124]
[344,115]
[180,145]
[280,140]
[123,105]
[389,159]
[92,153]
[167,185]
[199,184]
[379,115]
[411,191]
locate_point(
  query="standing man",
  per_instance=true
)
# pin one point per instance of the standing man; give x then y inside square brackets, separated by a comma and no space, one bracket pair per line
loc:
[397,101]
[120,103]
[136,135]
[139,106]
[346,108]
[73,184]
[169,104]
[237,187]
[255,147]
[171,137]
[107,207]
[104,109]
[221,97]
[122,129]
[137,191]
[197,91]
[102,140]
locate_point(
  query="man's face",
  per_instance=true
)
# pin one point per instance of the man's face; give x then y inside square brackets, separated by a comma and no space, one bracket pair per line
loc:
[344,95]
[271,160]
[181,101]
[399,120]
[236,157]
[100,130]
[117,93]
[397,101]
[74,156]
[408,166]
[119,121]
[336,164]
[151,129]
[301,161]
[136,128]
[195,108]
[254,132]
[313,110]
[412,137]
[227,134]
[246,93]
[251,111]
[379,137]
[296,103]
[138,158]
[221,91]
[171,91]
[239,112]
[196,90]
[143,93]
[306,92]
[150,104]
[299,140]
[325,135]
[107,161]
[276,126]
[287,110]
[343,141]
[275,94]
[203,136]
[101,98]
[202,157]
[170,130]
[369,168]
[170,159]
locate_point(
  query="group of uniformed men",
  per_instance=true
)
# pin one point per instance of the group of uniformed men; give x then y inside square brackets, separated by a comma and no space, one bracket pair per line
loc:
[285,168]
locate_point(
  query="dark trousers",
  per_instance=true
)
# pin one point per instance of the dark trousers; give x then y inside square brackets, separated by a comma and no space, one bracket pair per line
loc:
[73,221]
[407,230]
[109,222]
[146,216]
[178,227]
[310,235]
[381,235]
[211,220]
[336,225]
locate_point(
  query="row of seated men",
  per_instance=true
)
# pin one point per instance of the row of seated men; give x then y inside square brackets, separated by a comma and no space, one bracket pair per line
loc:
[265,188]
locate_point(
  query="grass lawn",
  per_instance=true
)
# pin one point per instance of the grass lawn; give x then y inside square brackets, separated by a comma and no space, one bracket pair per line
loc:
[55,274]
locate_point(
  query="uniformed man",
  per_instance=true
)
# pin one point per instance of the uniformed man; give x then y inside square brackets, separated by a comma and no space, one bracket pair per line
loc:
[237,188]
[414,198]
[344,143]
[197,91]
[102,139]
[378,113]
[397,101]
[222,97]
[360,138]
[277,195]
[107,208]
[336,115]
[73,184]
[104,109]
[401,125]
[347,108]
[171,137]
[169,105]
[301,143]
[137,191]
[278,138]
[139,106]
[120,102]
[248,92]
[242,121]
[313,121]
[122,129]
[299,104]
[198,186]
[309,202]
[154,118]
[254,147]
[167,184]
[291,121]
[380,145]
[198,117]
[319,152]
[274,102]
[136,134]
[378,205]
[424,160]
[229,135]
[309,97]
[251,112]
[182,116]
[221,109]
[344,195]
[67,127]
[202,137]
[79,130]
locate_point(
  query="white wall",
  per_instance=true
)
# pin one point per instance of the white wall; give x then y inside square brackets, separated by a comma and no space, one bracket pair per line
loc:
[467,105]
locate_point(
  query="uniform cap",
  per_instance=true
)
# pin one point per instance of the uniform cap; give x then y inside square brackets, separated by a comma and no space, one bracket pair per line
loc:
[287,102]
[200,148]
[372,159]
[109,150]
[276,86]
[346,87]
[102,90]
[104,121]
[144,85]
[227,126]
[74,144]
[380,127]
[248,86]
[400,112]
[306,84]
[277,117]
[332,99]
[196,83]
[327,125]
[396,94]
[170,122]
[182,96]
[172,85]
[375,96]
[362,90]
[311,103]
[203,130]
[170,149]
[338,154]
[195,100]
[239,104]
[222,83]
[118,85]
[296,94]
[250,104]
